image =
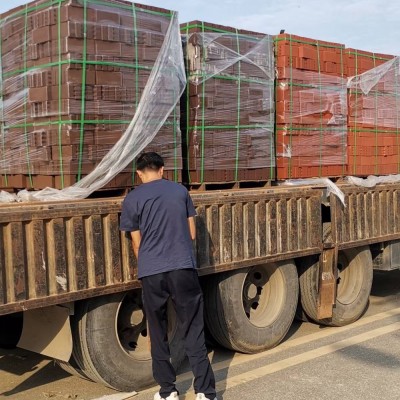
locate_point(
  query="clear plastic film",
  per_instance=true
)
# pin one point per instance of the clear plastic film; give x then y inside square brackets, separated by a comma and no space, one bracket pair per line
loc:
[374,119]
[374,96]
[311,108]
[214,53]
[371,181]
[229,104]
[311,116]
[331,187]
[87,86]
[384,74]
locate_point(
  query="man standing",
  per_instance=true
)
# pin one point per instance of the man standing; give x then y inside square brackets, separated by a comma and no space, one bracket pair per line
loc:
[160,216]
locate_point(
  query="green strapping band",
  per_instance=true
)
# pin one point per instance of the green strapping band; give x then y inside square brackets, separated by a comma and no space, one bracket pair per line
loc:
[312,42]
[83,102]
[344,137]
[204,76]
[312,86]
[291,103]
[217,30]
[371,130]
[188,127]
[69,62]
[60,153]
[202,115]
[376,125]
[175,131]
[25,99]
[77,122]
[238,111]
[310,128]
[96,2]
[36,7]
[358,54]
[272,95]
[396,74]
[136,75]
[234,126]
[355,124]
[320,112]
[3,132]
[128,7]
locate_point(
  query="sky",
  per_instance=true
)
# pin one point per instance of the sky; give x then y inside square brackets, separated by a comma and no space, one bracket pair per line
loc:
[371,25]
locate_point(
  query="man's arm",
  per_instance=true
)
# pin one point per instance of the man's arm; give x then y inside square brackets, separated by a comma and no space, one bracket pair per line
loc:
[136,238]
[192,227]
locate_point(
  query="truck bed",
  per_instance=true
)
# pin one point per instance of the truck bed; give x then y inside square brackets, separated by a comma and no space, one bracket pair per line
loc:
[53,253]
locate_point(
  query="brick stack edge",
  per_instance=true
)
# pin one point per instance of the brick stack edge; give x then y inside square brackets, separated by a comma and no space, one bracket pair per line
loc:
[50,136]
[228,106]
[373,132]
[311,108]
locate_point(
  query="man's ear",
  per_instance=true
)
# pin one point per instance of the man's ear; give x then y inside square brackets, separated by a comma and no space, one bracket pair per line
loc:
[161,171]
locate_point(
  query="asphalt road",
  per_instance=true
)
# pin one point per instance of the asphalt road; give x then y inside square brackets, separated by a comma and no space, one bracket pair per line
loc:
[360,361]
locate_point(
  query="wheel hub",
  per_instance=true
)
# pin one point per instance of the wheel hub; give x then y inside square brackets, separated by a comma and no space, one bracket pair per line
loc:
[132,328]
[262,296]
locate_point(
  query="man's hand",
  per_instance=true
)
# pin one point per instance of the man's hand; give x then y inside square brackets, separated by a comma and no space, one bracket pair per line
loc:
[136,238]
[192,227]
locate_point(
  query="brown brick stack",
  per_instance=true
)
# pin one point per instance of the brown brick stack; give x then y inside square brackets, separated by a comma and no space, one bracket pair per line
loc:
[374,114]
[311,108]
[228,119]
[73,73]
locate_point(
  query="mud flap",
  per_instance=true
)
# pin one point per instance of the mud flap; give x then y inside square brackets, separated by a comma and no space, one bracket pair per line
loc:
[47,331]
[327,282]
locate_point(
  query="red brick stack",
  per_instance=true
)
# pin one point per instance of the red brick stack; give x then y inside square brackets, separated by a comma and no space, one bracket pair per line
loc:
[374,115]
[310,108]
[228,119]
[73,73]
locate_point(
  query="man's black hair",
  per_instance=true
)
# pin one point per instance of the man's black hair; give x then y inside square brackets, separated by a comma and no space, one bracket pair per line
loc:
[150,160]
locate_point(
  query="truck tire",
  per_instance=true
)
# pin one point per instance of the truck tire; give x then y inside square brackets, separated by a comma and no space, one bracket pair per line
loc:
[72,368]
[111,345]
[252,309]
[353,288]
[301,315]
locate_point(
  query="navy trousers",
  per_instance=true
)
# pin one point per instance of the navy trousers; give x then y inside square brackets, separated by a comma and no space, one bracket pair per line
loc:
[183,287]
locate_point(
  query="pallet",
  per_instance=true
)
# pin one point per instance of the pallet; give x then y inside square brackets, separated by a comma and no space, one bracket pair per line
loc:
[208,186]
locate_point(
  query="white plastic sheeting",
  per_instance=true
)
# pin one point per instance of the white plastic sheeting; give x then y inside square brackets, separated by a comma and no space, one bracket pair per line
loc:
[369,79]
[167,76]
[260,55]
[372,180]
[331,187]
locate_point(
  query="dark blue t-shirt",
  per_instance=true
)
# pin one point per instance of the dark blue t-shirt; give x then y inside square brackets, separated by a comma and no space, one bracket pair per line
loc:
[160,210]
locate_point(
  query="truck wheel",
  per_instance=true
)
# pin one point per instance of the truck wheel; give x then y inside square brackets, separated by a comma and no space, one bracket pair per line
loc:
[353,286]
[111,345]
[251,310]
[10,331]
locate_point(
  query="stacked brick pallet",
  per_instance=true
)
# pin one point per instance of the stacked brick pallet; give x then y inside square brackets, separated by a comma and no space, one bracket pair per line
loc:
[228,118]
[72,76]
[311,108]
[374,114]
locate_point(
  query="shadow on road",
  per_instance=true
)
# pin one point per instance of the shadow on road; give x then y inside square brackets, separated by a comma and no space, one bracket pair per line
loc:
[386,283]
[20,363]
[369,356]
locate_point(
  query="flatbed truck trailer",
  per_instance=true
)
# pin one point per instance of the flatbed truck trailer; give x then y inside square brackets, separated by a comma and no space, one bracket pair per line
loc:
[263,254]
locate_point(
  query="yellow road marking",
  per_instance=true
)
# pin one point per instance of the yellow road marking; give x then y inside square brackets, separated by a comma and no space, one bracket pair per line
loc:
[238,359]
[307,356]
